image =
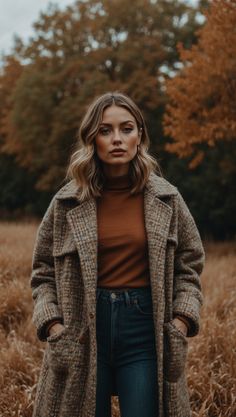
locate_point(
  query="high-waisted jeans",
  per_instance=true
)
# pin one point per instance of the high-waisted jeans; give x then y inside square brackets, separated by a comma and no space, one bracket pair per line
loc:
[126,360]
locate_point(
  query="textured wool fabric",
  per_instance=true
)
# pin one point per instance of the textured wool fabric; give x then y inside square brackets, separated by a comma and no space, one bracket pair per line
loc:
[122,241]
[64,282]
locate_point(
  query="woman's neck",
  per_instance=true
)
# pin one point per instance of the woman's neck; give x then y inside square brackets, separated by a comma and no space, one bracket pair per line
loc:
[110,170]
[119,182]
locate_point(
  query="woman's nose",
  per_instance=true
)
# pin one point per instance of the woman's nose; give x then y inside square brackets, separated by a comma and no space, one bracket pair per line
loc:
[117,136]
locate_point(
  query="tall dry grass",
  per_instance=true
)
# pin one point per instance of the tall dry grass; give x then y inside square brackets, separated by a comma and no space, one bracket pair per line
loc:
[212,358]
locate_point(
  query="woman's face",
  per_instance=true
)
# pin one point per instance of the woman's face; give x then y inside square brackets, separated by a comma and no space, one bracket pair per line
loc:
[118,130]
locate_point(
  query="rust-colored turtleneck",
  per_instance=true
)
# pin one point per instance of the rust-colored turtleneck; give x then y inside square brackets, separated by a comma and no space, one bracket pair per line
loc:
[122,242]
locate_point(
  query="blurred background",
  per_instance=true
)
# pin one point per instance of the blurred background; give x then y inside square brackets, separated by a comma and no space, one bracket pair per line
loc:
[176,59]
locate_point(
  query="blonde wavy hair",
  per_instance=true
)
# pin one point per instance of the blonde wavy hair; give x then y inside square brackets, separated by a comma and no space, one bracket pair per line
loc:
[86,168]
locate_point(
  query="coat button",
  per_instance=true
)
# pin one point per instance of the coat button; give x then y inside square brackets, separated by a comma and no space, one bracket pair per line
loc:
[82,338]
[91,315]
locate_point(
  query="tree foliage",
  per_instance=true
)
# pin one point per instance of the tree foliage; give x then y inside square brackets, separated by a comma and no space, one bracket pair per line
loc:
[10,73]
[88,49]
[202,108]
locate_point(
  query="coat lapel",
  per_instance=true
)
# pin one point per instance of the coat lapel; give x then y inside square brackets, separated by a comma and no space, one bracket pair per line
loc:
[157,221]
[83,223]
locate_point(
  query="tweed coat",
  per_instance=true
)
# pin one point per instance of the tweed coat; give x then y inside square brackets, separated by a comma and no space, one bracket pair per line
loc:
[64,281]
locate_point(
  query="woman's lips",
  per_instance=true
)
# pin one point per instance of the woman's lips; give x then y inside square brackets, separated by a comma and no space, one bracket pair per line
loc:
[117,152]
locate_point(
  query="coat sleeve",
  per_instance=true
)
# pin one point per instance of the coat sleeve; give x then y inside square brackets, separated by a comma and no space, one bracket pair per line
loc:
[43,277]
[188,265]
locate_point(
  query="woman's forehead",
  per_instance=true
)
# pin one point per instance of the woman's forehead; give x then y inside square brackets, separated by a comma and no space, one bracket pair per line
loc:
[117,114]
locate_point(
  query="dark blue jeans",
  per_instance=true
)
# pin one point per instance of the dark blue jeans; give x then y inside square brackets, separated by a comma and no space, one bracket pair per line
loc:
[126,361]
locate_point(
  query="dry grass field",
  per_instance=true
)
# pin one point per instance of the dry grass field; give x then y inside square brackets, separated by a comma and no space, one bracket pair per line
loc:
[212,357]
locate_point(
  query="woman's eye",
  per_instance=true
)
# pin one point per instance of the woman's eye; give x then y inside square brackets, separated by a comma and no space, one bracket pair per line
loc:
[104,131]
[128,129]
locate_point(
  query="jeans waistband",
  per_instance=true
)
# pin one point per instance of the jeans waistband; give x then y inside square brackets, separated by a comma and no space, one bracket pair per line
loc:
[117,294]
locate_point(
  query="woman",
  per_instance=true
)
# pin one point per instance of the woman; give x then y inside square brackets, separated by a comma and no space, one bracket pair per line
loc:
[115,277]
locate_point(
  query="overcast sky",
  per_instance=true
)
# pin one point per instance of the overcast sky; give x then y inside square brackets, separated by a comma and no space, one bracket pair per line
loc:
[17,17]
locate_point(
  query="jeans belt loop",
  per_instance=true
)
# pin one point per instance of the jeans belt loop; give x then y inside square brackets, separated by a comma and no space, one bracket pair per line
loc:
[127,298]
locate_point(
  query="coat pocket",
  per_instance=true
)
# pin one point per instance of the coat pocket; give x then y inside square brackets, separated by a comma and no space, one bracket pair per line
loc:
[64,351]
[175,352]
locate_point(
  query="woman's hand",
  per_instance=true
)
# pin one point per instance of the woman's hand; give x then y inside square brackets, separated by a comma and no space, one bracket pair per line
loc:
[56,328]
[180,325]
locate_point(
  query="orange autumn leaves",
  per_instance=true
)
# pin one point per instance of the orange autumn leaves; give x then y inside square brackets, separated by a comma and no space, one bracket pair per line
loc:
[202,108]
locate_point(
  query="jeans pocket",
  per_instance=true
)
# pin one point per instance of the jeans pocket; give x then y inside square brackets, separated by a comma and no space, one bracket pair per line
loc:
[143,305]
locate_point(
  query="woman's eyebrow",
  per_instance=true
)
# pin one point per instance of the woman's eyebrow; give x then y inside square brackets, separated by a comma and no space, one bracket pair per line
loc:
[122,123]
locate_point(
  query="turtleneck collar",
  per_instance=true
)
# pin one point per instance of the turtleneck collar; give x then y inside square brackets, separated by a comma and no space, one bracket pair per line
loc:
[121,182]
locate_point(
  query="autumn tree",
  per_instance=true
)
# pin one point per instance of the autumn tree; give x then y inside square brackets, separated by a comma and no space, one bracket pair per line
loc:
[17,193]
[202,108]
[200,119]
[85,50]
[10,73]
